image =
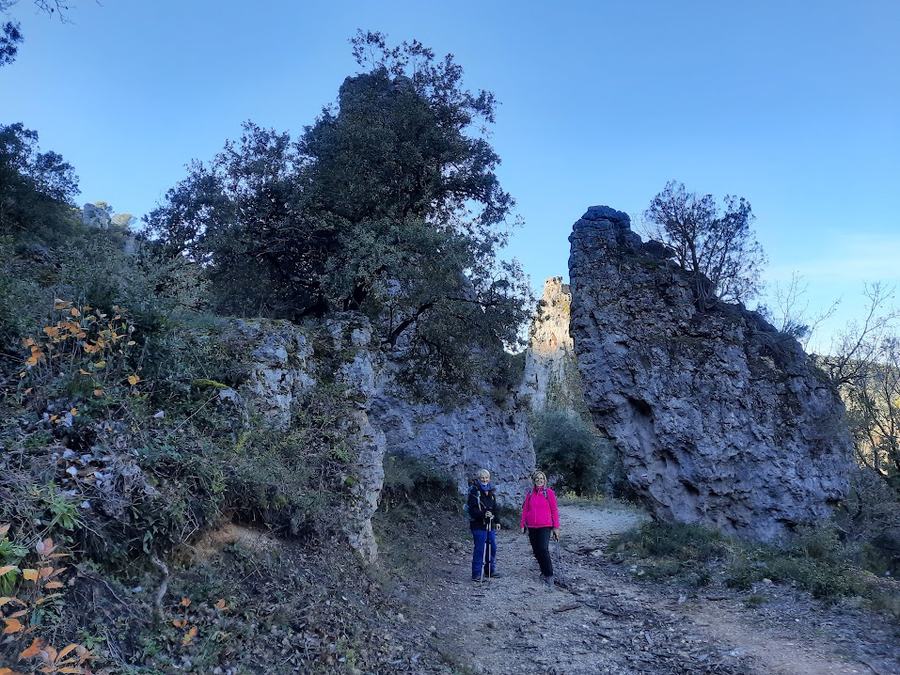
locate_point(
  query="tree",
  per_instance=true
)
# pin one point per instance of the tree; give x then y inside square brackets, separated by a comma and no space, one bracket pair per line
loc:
[566,446]
[790,311]
[37,189]
[865,365]
[714,244]
[387,204]
[10,32]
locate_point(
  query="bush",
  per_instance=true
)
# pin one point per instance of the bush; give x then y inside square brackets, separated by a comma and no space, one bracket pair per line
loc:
[411,480]
[569,449]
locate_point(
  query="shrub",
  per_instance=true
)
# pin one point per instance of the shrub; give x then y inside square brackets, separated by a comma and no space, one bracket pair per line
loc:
[408,479]
[567,447]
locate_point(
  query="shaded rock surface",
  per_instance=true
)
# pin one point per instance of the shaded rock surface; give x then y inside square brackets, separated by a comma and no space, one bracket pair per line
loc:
[480,433]
[720,419]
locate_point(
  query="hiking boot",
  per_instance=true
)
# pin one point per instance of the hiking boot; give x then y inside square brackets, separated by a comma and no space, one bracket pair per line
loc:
[495,575]
[476,579]
[549,582]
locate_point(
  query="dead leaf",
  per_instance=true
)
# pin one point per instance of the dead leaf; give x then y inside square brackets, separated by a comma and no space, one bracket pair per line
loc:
[30,575]
[32,650]
[185,602]
[189,636]
[6,569]
[133,380]
[12,626]
[221,604]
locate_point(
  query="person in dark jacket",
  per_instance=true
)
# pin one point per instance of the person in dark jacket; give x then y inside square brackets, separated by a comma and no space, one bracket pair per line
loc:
[482,507]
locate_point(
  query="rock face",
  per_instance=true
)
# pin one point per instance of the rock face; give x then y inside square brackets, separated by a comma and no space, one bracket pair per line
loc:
[94,216]
[281,362]
[720,419]
[481,433]
[551,377]
[280,365]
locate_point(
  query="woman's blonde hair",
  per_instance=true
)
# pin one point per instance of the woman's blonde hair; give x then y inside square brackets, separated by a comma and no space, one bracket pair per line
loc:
[536,473]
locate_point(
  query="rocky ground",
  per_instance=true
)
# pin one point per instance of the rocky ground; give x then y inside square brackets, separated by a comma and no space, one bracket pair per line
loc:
[602,620]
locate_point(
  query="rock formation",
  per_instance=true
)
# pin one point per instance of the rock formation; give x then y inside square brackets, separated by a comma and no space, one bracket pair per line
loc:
[96,216]
[551,374]
[480,433]
[720,419]
[280,362]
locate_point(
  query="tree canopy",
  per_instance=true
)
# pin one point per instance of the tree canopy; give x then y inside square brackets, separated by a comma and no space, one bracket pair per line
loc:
[711,242]
[387,204]
[37,189]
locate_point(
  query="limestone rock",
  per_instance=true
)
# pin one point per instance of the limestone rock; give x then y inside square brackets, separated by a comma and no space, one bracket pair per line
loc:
[94,216]
[357,372]
[720,419]
[481,433]
[551,375]
[278,364]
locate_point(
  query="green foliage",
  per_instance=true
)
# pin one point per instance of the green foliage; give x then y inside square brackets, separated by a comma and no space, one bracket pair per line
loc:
[411,480]
[816,560]
[388,204]
[568,448]
[36,190]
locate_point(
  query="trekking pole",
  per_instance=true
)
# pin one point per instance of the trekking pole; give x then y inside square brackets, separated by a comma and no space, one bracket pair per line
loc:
[486,562]
[560,575]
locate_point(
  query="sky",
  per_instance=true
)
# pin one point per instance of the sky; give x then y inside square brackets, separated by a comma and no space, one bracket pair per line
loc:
[793,105]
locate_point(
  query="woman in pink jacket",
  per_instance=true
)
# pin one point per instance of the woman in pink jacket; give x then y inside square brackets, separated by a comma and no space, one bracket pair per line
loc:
[540,517]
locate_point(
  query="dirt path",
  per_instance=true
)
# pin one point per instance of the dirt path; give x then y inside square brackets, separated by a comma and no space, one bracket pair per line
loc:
[603,622]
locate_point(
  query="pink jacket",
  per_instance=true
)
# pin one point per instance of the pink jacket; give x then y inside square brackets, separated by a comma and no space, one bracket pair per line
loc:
[539,509]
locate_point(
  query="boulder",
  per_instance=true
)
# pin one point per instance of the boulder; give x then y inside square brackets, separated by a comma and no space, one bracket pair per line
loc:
[720,419]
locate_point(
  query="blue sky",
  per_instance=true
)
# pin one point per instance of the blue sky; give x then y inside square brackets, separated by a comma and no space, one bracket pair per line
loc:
[793,105]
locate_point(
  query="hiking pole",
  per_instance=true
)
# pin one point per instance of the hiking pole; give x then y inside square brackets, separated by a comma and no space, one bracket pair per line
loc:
[560,576]
[486,562]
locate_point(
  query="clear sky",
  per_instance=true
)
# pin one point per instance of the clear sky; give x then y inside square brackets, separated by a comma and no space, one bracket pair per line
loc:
[793,105]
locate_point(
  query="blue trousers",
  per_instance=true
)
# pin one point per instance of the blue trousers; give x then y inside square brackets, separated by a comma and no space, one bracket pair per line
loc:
[480,536]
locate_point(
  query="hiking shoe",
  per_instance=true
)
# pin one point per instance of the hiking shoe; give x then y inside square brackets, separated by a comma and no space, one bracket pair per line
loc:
[495,575]
[549,582]
[476,579]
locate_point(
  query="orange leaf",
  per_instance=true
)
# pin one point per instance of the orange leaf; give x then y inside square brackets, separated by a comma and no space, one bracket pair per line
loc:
[32,650]
[221,604]
[179,623]
[12,626]
[45,572]
[51,331]
[61,304]
[53,584]
[6,569]
[9,671]
[30,575]
[65,650]
[185,602]
[133,380]
[74,312]
[189,636]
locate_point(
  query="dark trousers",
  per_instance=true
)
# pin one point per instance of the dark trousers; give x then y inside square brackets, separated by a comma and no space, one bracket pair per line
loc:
[540,545]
